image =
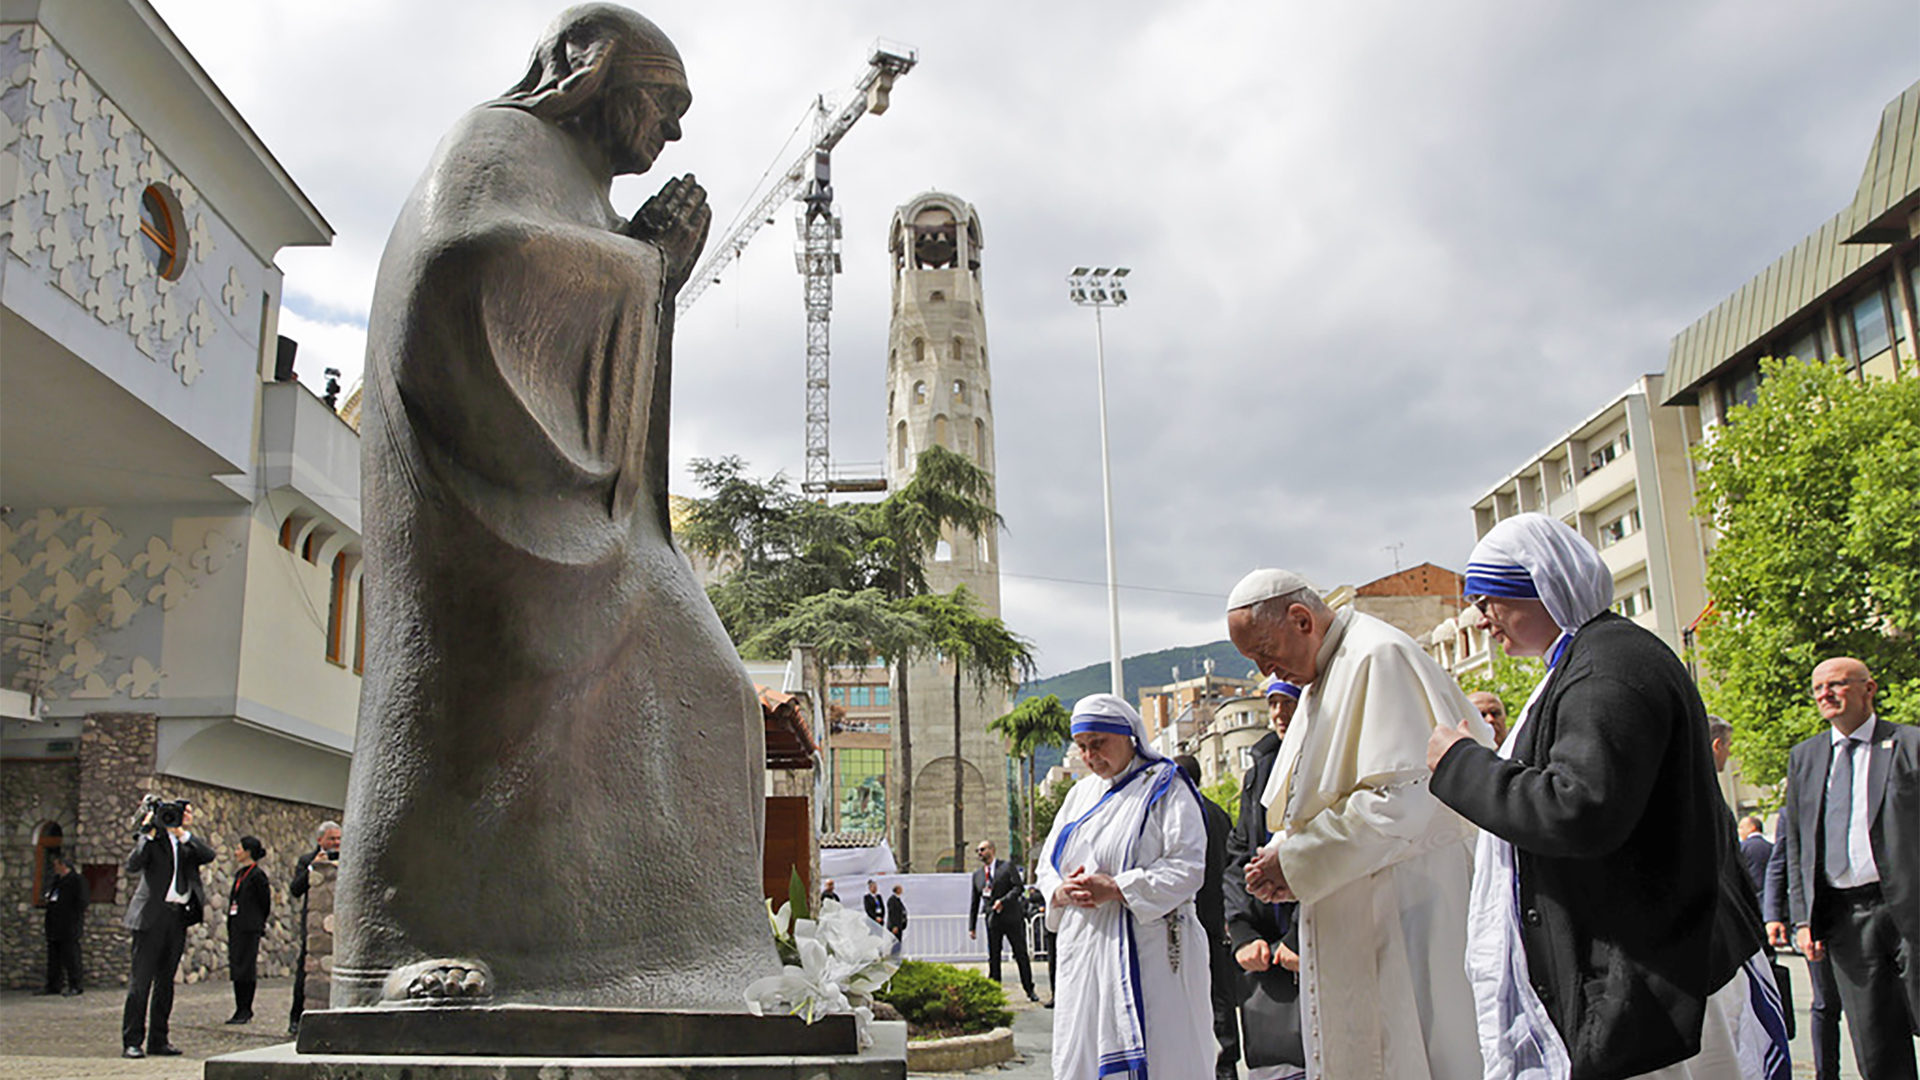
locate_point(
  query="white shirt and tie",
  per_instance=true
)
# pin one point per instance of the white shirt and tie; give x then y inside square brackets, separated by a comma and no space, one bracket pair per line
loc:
[1861,869]
[175,894]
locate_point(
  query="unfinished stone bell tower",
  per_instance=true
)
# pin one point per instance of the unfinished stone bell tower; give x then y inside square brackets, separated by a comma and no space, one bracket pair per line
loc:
[939,391]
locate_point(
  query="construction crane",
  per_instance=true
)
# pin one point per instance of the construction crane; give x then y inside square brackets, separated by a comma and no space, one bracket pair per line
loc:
[810,178]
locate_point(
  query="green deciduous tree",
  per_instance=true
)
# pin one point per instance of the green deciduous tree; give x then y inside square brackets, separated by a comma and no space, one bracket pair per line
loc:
[1814,491]
[1225,793]
[1035,723]
[1509,678]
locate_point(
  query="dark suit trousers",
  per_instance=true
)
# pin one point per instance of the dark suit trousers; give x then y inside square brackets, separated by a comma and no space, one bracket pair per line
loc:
[156,958]
[1866,954]
[1226,1009]
[1823,1020]
[63,958]
[1015,934]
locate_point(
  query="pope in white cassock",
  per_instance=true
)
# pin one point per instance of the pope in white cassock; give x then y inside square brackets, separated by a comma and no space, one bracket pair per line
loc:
[1120,868]
[1379,867]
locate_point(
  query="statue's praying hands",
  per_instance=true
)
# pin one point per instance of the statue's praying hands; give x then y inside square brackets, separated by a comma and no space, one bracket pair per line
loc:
[676,221]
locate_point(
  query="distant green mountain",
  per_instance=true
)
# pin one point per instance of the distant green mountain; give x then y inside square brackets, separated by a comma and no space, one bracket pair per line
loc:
[1147,669]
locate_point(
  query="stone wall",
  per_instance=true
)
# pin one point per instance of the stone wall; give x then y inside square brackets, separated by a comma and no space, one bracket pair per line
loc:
[32,794]
[100,793]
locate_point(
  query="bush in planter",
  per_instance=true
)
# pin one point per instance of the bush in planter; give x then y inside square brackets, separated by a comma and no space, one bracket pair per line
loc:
[940,999]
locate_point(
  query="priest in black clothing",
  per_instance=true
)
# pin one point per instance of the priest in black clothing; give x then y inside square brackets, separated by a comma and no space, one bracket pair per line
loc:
[1264,937]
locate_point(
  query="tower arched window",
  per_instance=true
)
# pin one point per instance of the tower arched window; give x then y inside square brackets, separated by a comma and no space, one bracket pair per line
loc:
[959,350]
[900,445]
[920,393]
[941,437]
[979,442]
[960,391]
[919,350]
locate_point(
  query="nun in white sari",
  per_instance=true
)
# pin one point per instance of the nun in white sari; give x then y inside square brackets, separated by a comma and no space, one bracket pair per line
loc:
[1120,869]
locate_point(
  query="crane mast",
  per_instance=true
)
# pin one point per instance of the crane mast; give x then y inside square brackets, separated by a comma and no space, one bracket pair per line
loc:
[810,178]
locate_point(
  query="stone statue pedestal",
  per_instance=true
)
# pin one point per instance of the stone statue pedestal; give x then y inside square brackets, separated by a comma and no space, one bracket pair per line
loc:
[531,1042]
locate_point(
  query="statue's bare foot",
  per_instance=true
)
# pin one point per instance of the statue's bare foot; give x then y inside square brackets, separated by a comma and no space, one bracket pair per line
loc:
[439,982]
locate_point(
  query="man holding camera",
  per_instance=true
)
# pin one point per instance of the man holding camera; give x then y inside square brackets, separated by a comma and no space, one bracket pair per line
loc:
[326,846]
[168,897]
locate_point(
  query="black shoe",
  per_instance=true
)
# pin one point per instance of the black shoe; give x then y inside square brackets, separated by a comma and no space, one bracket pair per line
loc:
[293,1031]
[1031,996]
[163,1050]
[240,1018]
[1049,1003]
[132,1052]
[72,991]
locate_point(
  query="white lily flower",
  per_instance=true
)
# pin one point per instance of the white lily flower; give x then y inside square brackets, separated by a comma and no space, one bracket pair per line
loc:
[844,958]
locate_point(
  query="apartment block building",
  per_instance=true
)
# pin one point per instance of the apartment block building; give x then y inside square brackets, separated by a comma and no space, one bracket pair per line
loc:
[1622,478]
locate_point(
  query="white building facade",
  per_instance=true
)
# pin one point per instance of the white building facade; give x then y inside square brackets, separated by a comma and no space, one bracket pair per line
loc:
[179,532]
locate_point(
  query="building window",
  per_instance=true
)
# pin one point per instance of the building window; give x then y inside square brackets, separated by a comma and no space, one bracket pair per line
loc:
[980,442]
[900,445]
[337,611]
[920,393]
[960,391]
[1635,603]
[1740,387]
[1871,333]
[936,297]
[360,627]
[1808,346]
[941,436]
[1619,528]
[161,232]
[861,789]
[959,351]
[919,350]
[1601,458]
[860,695]
[883,695]
[286,533]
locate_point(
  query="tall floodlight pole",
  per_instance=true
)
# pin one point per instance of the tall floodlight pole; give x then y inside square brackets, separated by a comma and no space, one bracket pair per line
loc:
[1100,288]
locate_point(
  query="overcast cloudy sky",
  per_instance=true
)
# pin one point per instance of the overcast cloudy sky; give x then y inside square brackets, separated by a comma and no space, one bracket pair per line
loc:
[1382,252]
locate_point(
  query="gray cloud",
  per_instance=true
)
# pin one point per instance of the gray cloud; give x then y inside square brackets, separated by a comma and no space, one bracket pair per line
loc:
[1383,252]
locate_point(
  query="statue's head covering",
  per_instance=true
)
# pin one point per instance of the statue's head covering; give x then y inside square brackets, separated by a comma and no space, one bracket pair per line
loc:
[1265,585]
[1112,714]
[1278,685]
[590,48]
[1533,555]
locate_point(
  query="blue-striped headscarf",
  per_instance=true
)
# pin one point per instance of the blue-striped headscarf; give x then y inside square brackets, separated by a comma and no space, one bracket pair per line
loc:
[1533,555]
[1112,715]
[1278,685]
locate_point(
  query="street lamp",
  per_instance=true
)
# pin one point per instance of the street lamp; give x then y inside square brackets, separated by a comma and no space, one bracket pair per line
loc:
[1100,288]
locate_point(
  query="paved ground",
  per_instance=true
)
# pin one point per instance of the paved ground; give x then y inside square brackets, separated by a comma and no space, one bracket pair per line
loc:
[56,1038]
[78,1038]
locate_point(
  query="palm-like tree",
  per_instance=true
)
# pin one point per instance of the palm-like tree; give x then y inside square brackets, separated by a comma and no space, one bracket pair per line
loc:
[1033,724]
[978,646]
[948,494]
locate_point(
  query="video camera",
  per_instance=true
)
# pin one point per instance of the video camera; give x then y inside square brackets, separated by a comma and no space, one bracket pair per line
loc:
[157,813]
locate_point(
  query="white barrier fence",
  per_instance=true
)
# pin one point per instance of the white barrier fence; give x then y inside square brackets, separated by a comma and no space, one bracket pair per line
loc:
[936,916]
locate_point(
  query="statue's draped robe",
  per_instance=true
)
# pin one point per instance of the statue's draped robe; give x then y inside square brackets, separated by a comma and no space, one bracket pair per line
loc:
[1380,867]
[558,767]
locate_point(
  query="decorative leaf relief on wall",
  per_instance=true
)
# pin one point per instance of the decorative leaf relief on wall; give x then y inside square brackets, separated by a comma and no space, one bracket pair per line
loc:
[81,577]
[74,171]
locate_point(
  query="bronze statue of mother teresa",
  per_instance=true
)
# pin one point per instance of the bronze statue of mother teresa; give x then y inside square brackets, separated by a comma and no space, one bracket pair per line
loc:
[556,787]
